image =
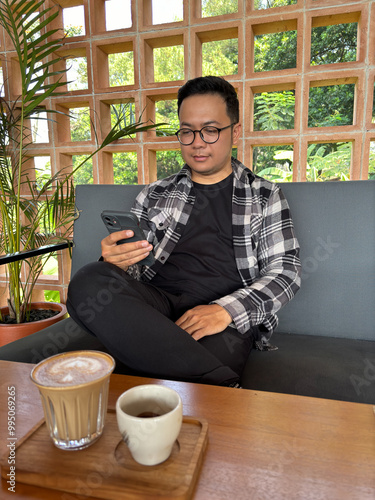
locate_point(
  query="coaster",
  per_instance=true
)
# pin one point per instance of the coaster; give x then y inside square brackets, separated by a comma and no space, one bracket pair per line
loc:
[106,469]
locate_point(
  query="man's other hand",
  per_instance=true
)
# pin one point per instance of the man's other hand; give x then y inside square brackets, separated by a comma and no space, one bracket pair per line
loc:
[204,320]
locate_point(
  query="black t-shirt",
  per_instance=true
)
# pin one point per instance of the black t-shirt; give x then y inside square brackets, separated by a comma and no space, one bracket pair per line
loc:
[202,264]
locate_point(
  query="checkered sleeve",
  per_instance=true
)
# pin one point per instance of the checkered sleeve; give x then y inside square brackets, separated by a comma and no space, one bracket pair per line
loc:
[278,269]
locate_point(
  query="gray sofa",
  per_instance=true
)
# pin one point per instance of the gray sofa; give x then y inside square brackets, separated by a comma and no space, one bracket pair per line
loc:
[326,334]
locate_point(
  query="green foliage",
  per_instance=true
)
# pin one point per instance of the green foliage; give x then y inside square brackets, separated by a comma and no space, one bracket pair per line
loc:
[169,63]
[275,174]
[218,7]
[42,170]
[168,163]
[125,168]
[50,268]
[325,162]
[267,4]
[80,124]
[331,105]
[73,31]
[166,111]
[328,162]
[77,73]
[121,69]
[371,170]
[84,174]
[329,44]
[123,114]
[275,51]
[52,296]
[220,57]
[334,44]
[328,106]
[273,164]
[274,110]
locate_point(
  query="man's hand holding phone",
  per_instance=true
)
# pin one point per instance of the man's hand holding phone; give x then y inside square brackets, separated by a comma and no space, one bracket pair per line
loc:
[125,254]
[126,244]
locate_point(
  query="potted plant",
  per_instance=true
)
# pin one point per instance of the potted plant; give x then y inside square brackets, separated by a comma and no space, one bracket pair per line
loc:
[34,212]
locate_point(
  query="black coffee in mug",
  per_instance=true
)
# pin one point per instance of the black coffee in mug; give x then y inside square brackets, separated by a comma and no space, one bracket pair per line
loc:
[148,414]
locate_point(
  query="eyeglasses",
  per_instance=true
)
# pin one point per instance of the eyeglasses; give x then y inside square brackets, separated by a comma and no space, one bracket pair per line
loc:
[208,134]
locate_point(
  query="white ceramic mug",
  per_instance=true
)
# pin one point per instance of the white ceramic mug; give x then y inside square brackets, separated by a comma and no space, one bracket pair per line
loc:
[149,418]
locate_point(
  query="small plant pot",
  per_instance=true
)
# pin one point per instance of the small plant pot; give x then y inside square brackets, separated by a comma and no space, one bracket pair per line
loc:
[11,332]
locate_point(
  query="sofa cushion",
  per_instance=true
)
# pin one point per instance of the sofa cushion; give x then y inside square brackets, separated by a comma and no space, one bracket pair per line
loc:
[309,365]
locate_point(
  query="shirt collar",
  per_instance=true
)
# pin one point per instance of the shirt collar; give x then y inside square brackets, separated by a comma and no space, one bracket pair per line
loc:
[185,172]
[241,172]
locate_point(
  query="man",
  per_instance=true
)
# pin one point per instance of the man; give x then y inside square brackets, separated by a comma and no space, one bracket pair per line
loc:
[226,257]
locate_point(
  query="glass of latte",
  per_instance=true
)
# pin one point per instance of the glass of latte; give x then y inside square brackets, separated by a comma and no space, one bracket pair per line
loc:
[74,390]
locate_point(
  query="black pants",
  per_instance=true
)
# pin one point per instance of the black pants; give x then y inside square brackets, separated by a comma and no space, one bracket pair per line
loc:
[135,321]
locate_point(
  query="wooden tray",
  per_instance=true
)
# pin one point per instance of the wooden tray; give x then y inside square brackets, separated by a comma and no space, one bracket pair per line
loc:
[106,469]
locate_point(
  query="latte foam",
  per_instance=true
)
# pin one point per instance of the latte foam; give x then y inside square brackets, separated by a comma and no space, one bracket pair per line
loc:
[71,369]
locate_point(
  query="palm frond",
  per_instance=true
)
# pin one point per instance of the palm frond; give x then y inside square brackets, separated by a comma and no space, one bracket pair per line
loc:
[37,213]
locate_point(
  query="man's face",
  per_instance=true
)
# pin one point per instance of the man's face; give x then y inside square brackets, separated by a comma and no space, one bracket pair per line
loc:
[209,163]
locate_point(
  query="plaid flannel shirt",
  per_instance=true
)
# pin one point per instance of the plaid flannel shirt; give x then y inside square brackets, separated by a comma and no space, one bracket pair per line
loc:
[265,246]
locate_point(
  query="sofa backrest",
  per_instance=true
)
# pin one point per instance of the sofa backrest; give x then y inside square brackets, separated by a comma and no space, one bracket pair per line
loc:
[89,230]
[335,226]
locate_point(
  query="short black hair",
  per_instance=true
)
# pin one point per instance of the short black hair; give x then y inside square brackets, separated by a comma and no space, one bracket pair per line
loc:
[212,85]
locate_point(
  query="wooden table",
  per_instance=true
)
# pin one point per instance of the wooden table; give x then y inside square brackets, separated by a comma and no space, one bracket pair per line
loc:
[261,445]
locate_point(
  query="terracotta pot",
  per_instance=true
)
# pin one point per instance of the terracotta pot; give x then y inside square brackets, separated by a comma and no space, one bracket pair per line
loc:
[9,333]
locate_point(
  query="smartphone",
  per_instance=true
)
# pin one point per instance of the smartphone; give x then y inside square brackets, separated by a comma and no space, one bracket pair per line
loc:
[118,221]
